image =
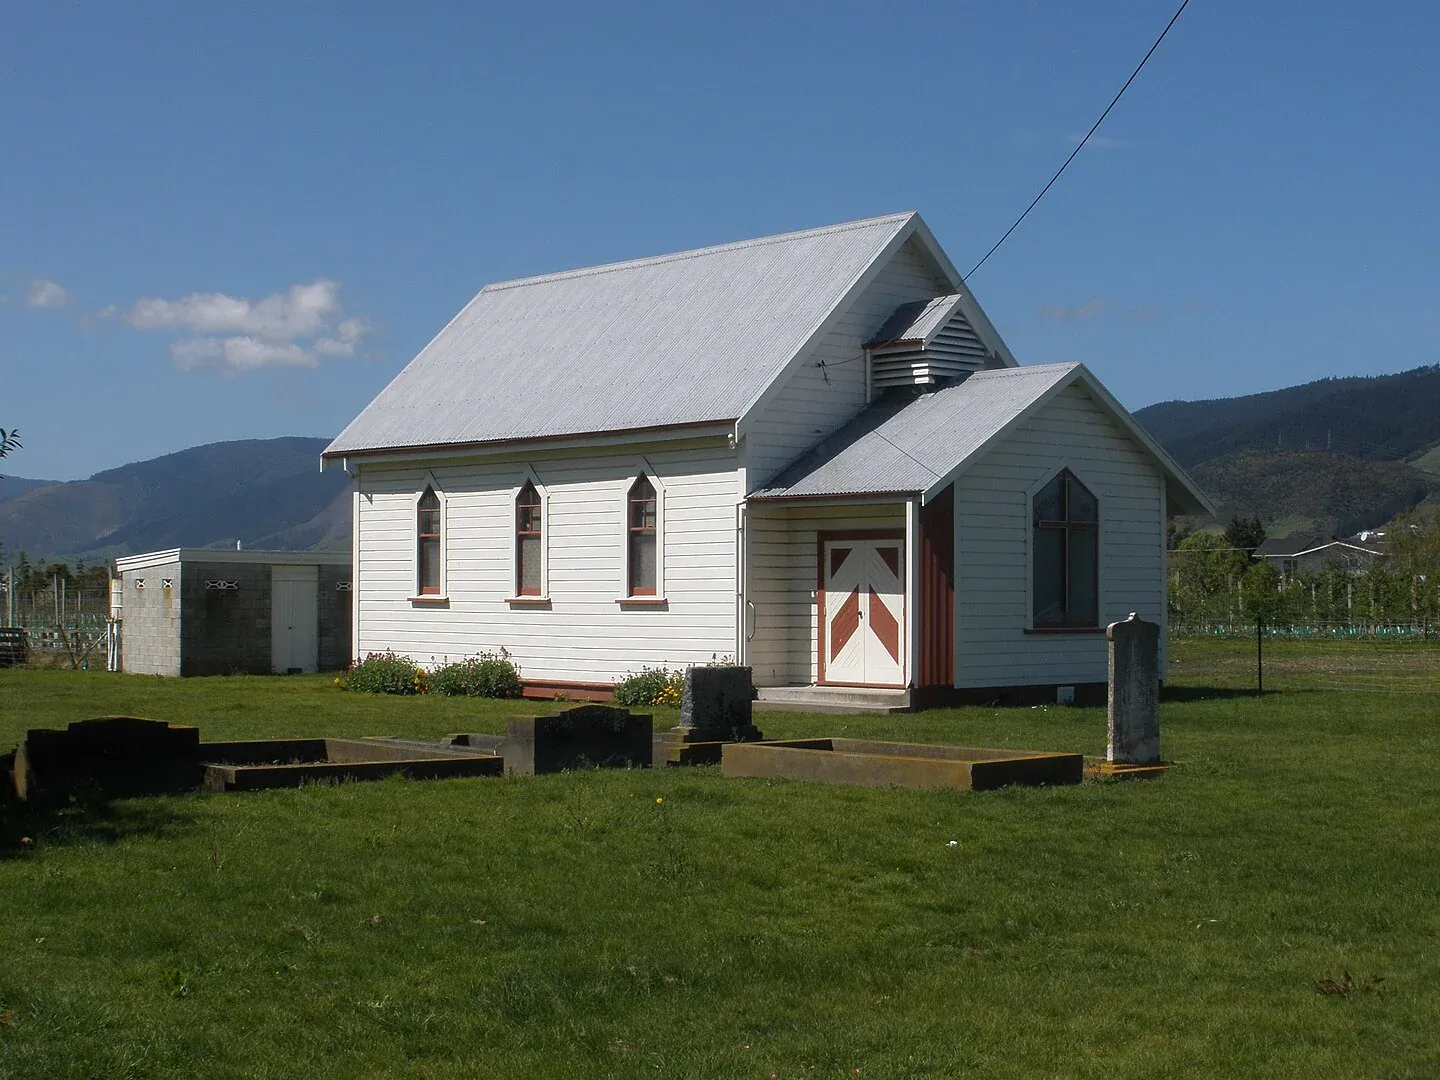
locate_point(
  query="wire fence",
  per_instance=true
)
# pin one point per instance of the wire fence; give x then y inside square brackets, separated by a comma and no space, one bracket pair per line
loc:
[61,626]
[1342,658]
[1421,631]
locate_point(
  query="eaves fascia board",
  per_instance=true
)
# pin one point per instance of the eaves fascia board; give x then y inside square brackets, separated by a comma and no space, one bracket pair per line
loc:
[704,429]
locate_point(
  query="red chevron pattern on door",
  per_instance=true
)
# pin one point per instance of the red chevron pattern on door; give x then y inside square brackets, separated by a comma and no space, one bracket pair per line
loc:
[862,610]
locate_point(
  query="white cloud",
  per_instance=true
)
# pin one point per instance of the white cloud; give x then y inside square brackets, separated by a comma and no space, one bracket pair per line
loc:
[235,335]
[46,295]
[348,337]
[237,355]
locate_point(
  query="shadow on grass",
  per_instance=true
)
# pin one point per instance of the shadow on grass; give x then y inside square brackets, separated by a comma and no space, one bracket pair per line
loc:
[24,828]
[1209,693]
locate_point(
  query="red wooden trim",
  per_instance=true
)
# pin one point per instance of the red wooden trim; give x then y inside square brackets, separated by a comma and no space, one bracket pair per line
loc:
[431,598]
[638,601]
[821,539]
[547,689]
[885,627]
[935,579]
[528,600]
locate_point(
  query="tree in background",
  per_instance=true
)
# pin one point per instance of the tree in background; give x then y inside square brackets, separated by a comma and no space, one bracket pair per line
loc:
[9,441]
[1245,534]
[1260,593]
[1415,555]
[1204,571]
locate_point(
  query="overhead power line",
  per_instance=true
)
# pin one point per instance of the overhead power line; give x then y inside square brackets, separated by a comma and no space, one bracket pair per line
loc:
[1184,4]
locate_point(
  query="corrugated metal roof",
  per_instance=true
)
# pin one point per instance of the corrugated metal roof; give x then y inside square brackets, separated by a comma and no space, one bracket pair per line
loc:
[680,339]
[905,444]
[918,321]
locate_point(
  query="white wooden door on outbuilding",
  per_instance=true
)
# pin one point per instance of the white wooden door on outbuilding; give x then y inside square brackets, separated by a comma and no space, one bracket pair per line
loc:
[294,619]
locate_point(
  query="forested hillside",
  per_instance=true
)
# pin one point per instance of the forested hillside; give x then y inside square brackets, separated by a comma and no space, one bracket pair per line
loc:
[262,492]
[1312,461]
[1377,418]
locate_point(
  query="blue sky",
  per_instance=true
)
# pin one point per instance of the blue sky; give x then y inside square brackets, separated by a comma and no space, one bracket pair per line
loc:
[1259,210]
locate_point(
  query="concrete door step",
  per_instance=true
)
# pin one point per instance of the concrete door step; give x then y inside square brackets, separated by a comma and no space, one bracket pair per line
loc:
[833,699]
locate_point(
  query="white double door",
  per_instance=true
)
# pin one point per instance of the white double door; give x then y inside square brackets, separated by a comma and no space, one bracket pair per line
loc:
[862,619]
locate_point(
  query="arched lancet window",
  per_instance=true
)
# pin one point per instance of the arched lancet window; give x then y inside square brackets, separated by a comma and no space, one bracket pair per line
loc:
[528,526]
[1066,554]
[427,543]
[641,524]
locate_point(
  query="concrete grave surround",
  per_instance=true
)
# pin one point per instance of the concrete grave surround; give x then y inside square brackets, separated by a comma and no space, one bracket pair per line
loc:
[277,763]
[1134,647]
[872,763]
[582,737]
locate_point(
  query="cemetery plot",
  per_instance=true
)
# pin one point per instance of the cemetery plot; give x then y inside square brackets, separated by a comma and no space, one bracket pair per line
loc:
[585,736]
[276,763]
[872,763]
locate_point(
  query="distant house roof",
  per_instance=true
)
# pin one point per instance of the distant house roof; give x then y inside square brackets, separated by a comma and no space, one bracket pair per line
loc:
[1295,549]
[692,338]
[1282,548]
[917,445]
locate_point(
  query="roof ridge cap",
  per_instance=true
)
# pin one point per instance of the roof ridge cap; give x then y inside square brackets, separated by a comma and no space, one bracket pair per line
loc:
[1028,369]
[692,253]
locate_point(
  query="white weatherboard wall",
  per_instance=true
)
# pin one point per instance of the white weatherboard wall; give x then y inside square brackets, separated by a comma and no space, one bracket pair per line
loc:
[992,545]
[584,635]
[818,401]
[783,557]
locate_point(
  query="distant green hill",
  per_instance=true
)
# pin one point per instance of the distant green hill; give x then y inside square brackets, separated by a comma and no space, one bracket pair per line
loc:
[1377,418]
[1312,495]
[1326,458]
[262,492]
[10,486]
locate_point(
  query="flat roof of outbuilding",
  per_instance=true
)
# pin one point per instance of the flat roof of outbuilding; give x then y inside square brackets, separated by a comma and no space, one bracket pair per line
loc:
[226,555]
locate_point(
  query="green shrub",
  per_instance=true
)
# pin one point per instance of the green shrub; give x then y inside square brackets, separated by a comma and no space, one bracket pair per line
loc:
[490,674]
[651,686]
[384,673]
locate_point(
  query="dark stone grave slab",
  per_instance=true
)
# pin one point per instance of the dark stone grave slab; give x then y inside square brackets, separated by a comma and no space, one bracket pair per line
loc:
[715,709]
[583,737]
[111,757]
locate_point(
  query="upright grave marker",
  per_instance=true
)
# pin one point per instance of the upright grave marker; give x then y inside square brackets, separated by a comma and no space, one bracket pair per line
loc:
[1134,647]
[715,709]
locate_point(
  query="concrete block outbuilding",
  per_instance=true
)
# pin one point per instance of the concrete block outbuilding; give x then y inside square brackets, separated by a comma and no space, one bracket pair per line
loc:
[203,611]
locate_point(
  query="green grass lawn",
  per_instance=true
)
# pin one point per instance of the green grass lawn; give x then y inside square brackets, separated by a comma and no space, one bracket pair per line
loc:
[578,926]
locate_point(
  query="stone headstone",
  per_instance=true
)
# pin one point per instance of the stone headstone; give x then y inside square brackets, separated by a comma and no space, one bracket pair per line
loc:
[1134,647]
[112,757]
[715,705]
[583,737]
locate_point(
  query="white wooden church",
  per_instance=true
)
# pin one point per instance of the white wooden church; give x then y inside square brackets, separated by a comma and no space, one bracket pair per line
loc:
[811,453]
